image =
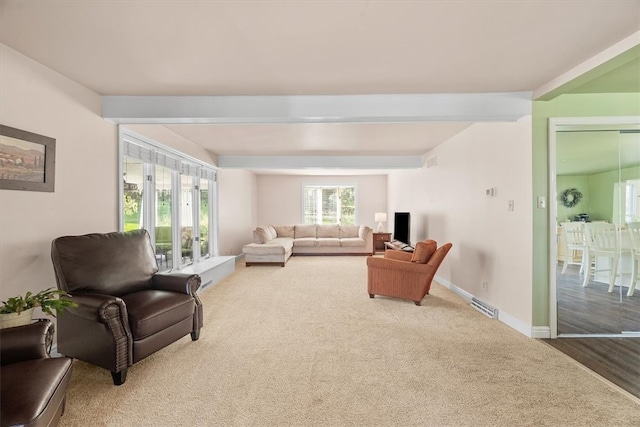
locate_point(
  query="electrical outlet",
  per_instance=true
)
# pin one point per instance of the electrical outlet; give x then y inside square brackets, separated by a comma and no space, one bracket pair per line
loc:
[511,206]
[485,285]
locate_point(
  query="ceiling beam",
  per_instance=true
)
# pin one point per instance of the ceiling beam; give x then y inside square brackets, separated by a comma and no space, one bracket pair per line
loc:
[384,108]
[320,162]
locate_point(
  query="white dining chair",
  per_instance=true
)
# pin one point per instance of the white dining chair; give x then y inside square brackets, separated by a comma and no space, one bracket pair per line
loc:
[573,236]
[633,228]
[601,240]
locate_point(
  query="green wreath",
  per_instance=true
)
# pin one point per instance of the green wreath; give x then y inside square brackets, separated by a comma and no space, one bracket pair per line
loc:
[570,197]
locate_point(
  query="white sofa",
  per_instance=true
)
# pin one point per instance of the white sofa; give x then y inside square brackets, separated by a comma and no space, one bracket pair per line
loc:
[274,244]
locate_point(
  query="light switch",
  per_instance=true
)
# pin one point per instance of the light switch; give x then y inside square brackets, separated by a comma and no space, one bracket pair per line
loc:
[542,202]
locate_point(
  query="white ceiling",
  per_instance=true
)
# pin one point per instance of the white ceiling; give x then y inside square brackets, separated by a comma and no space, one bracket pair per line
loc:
[315,48]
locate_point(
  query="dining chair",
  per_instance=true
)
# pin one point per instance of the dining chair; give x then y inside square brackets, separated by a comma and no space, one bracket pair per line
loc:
[633,228]
[573,236]
[601,240]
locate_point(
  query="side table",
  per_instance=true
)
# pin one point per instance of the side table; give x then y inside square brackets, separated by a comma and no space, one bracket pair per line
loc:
[378,241]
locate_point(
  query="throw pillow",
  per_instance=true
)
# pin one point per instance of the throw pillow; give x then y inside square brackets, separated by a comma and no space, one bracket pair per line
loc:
[272,231]
[263,234]
[363,232]
[423,251]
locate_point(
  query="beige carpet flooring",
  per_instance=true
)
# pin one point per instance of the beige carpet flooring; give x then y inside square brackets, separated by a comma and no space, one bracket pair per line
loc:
[304,345]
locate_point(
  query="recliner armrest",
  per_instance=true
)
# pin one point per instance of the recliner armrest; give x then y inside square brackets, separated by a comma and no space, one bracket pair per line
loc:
[96,307]
[181,283]
[26,342]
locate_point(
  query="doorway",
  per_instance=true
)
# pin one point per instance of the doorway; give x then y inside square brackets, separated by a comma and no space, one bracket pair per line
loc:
[594,168]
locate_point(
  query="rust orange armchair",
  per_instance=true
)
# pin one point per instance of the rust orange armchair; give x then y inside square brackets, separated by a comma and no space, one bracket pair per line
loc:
[405,275]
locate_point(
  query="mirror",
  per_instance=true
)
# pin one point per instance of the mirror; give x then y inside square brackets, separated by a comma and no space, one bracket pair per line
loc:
[595,172]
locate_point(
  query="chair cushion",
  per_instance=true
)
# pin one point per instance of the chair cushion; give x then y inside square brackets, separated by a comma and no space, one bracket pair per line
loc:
[423,251]
[32,391]
[154,310]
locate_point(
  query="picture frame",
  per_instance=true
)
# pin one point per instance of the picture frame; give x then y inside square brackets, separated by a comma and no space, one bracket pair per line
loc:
[27,160]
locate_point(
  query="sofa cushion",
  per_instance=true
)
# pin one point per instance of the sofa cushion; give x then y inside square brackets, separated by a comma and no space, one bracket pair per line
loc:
[351,242]
[349,231]
[264,235]
[423,251]
[306,242]
[271,248]
[329,230]
[285,242]
[272,232]
[284,230]
[328,241]
[307,230]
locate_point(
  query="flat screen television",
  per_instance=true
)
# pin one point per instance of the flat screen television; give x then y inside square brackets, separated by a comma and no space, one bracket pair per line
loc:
[402,227]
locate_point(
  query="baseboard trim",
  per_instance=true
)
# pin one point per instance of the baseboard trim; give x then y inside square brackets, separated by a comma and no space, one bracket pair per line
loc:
[540,332]
[509,320]
[447,284]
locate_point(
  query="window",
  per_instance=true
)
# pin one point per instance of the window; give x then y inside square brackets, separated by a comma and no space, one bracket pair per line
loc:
[204,217]
[132,193]
[329,204]
[168,194]
[163,215]
[187,214]
[632,207]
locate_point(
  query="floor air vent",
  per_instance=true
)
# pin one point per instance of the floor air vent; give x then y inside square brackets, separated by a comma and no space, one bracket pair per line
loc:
[484,308]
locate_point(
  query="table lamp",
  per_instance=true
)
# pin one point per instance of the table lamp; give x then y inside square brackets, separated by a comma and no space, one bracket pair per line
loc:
[380,218]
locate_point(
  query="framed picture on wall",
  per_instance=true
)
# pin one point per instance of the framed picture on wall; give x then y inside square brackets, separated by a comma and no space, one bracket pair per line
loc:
[27,160]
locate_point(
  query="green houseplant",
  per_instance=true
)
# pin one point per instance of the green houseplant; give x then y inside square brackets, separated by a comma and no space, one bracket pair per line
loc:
[16,311]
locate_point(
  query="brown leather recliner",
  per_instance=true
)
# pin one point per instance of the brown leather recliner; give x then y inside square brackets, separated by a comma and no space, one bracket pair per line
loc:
[405,275]
[126,310]
[34,385]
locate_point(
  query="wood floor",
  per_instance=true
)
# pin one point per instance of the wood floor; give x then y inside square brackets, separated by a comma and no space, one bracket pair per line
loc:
[593,310]
[616,359]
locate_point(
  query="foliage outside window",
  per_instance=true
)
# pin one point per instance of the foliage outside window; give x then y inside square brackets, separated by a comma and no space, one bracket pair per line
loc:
[132,203]
[204,217]
[329,204]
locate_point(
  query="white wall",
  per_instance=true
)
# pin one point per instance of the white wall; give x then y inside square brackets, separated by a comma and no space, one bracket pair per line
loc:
[280,196]
[237,201]
[448,203]
[37,99]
